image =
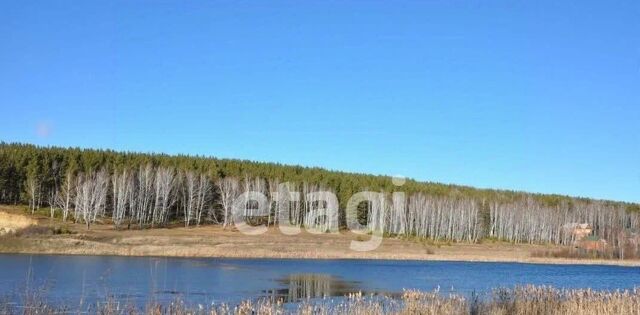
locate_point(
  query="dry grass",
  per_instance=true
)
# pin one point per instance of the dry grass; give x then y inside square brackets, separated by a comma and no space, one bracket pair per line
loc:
[10,223]
[546,300]
[519,301]
[629,253]
[214,241]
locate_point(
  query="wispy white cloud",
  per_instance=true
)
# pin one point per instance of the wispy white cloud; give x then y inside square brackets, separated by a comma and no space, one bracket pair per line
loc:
[43,129]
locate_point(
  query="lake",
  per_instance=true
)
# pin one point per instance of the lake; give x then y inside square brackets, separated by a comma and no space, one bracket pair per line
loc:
[69,279]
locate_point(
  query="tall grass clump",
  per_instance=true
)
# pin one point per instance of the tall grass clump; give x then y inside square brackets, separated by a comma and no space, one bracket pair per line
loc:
[527,300]
[547,300]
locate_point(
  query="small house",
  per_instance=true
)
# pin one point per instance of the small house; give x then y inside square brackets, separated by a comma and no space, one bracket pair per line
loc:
[577,231]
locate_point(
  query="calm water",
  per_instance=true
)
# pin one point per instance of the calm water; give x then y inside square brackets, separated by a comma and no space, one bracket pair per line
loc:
[207,280]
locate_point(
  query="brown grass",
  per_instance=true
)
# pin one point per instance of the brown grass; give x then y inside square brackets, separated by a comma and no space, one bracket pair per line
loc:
[629,253]
[518,301]
[10,223]
[214,241]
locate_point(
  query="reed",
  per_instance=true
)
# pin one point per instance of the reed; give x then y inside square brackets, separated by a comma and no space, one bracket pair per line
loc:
[517,301]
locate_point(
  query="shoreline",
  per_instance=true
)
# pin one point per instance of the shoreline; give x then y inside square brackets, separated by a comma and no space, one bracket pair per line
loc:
[450,253]
[215,242]
[557,261]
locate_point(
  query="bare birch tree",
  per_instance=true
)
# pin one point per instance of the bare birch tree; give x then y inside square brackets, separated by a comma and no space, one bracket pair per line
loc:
[144,194]
[252,213]
[203,193]
[91,195]
[121,191]
[164,185]
[32,185]
[65,195]
[189,196]
[229,189]
[288,207]
[322,208]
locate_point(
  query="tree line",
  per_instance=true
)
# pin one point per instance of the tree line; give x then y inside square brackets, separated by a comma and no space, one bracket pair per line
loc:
[153,190]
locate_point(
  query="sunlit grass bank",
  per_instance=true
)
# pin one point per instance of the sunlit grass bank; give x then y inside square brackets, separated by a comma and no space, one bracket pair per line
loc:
[520,300]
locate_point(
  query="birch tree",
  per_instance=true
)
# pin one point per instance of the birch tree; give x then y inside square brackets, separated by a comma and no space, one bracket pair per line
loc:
[253,215]
[189,196]
[65,195]
[229,188]
[91,195]
[121,193]
[32,185]
[322,209]
[288,207]
[203,193]
[164,185]
[144,194]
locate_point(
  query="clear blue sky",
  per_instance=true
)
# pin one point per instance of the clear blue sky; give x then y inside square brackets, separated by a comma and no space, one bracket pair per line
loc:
[541,96]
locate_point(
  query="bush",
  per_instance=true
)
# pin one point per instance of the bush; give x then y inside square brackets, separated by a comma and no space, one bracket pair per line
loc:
[34,230]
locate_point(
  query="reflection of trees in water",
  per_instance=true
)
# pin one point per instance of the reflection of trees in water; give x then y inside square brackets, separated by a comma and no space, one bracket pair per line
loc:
[309,286]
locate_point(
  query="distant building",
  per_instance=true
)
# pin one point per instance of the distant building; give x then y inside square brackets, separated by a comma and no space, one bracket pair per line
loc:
[577,231]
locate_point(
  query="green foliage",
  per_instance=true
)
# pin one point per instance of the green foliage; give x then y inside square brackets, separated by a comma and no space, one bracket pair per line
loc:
[633,208]
[50,164]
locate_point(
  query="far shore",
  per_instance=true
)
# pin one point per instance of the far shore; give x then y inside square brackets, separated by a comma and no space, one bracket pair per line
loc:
[217,242]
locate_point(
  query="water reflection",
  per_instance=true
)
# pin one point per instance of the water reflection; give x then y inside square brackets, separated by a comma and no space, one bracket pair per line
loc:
[203,281]
[310,286]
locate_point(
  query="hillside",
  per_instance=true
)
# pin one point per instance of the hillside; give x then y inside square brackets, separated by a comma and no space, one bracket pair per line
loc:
[154,190]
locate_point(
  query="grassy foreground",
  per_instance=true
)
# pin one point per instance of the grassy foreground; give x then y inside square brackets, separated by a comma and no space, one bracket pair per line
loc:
[521,300]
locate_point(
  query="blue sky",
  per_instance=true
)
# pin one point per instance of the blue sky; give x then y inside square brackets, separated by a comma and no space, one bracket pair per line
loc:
[538,96]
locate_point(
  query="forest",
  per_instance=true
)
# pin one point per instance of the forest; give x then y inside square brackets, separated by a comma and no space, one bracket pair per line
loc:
[146,190]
